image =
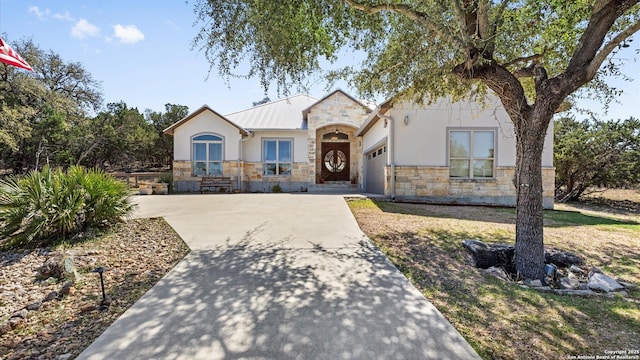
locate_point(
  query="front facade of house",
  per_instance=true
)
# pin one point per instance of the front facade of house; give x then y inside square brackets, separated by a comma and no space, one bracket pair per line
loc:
[446,152]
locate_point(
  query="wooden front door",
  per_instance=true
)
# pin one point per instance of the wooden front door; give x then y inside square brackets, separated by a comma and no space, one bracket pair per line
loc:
[335,161]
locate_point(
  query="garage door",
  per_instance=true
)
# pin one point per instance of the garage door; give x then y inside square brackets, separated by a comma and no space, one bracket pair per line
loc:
[376,161]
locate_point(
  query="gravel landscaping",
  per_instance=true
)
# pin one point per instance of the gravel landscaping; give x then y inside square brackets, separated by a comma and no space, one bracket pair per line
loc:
[45,317]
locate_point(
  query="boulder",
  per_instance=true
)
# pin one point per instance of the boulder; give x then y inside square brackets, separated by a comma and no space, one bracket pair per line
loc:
[561,258]
[601,282]
[491,255]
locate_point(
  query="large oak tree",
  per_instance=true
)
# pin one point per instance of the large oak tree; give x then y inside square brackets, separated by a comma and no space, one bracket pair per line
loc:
[532,54]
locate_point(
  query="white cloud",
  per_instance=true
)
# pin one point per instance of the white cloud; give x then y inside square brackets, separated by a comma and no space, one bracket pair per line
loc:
[37,12]
[83,29]
[127,34]
[64,17]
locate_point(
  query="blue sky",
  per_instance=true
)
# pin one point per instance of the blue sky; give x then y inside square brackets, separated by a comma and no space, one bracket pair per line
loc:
[141,52]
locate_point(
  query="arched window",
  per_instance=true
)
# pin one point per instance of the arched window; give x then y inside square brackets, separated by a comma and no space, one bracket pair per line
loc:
[207,154]
[335,136]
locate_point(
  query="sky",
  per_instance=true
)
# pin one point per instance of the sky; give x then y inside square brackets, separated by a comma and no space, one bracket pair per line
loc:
[140,51]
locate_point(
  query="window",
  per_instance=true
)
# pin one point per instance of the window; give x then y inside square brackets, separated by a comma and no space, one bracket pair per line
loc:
[207,155]
[471,153]
[276,157]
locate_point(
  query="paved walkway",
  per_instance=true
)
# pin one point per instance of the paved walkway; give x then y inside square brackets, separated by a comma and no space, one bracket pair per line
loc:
[276,276]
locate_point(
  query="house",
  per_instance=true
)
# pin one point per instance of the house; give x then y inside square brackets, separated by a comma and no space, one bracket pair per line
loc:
[461,153]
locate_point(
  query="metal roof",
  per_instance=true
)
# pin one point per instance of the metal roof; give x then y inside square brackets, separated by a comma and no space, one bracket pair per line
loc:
[280,114]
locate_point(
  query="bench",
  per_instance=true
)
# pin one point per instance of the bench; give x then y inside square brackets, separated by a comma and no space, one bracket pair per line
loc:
[215,183]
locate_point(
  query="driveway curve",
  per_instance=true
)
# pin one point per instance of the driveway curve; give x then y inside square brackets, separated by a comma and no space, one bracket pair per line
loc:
[276,276]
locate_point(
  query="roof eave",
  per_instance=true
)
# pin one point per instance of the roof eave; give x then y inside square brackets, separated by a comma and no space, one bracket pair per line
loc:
[374,117]
[170,129]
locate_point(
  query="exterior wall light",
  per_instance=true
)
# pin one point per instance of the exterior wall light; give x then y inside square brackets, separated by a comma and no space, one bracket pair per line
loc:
[406,120]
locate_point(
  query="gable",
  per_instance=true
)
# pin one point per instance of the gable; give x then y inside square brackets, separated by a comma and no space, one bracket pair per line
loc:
[203,110]
[332,96]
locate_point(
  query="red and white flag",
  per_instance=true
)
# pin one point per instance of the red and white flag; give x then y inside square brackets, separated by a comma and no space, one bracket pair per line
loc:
[9,56]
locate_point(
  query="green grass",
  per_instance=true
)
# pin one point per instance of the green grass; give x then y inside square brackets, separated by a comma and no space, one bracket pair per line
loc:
[503,320]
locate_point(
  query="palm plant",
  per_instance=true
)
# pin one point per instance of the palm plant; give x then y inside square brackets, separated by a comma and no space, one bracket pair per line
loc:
[51,203]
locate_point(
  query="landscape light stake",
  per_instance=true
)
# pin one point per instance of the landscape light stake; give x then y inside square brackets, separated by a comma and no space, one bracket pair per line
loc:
[101,270]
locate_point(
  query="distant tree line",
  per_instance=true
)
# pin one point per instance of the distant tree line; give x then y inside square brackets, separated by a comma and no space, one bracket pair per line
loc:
[592,155]
[55,116]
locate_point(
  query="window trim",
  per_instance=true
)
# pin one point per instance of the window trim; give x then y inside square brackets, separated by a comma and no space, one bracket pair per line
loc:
[207,161]
[471,131]
[277,161]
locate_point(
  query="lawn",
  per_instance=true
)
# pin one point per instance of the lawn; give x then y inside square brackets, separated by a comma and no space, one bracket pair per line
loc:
[503,320]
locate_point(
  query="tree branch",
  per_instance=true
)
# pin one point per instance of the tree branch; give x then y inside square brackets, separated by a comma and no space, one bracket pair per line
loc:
[523,59]
[603,18]
[597,61]
[411,14]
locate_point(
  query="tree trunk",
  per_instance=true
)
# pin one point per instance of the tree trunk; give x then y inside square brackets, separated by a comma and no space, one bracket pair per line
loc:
[529,254]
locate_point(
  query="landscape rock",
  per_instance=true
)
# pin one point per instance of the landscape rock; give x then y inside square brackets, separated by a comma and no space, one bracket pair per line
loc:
[534,283]
[52,295]
[5,327]
[562,258]
[594,270]
[576,270]
[627,285]
[601,282]
[53,267]
[497,272]
[23,314]
[490,255]
[577,292]
[33,306]
[67,288]
[16,322]
[567,283]
[70,271]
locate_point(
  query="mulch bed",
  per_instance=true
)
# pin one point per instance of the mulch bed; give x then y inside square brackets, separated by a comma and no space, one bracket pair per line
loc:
[136,253]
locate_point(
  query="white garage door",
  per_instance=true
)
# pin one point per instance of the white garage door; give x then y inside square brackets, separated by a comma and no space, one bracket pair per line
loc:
[376,161]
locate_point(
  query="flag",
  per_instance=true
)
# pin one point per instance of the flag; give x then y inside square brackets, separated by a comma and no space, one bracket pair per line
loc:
[8,56]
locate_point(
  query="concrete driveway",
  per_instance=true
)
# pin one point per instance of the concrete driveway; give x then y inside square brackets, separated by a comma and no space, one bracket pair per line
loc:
[276,276]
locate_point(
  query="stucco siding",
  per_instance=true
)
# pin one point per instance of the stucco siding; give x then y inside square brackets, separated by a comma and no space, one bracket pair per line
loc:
[422,141]
[252,148]
[205,122]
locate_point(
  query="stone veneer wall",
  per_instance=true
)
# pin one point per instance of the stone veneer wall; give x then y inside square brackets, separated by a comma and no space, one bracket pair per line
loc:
[434,185]
[332,111]
[253,180]
[184,181]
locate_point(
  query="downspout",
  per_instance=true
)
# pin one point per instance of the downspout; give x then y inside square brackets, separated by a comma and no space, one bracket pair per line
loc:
[240,169]
[390,146]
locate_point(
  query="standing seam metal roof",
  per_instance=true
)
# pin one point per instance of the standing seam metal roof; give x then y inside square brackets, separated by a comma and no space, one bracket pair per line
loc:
[280,114]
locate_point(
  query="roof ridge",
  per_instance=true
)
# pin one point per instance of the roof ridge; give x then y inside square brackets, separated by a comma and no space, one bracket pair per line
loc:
[272,102]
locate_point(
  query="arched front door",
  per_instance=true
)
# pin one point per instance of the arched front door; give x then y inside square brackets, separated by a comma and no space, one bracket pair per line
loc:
[335,161]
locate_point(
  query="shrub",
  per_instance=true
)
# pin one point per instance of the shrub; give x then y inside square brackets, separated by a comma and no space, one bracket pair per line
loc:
[53,203]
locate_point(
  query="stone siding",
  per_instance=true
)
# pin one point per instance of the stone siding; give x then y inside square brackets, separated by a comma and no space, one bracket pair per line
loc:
[338,111]
[433,184]
[252,178]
